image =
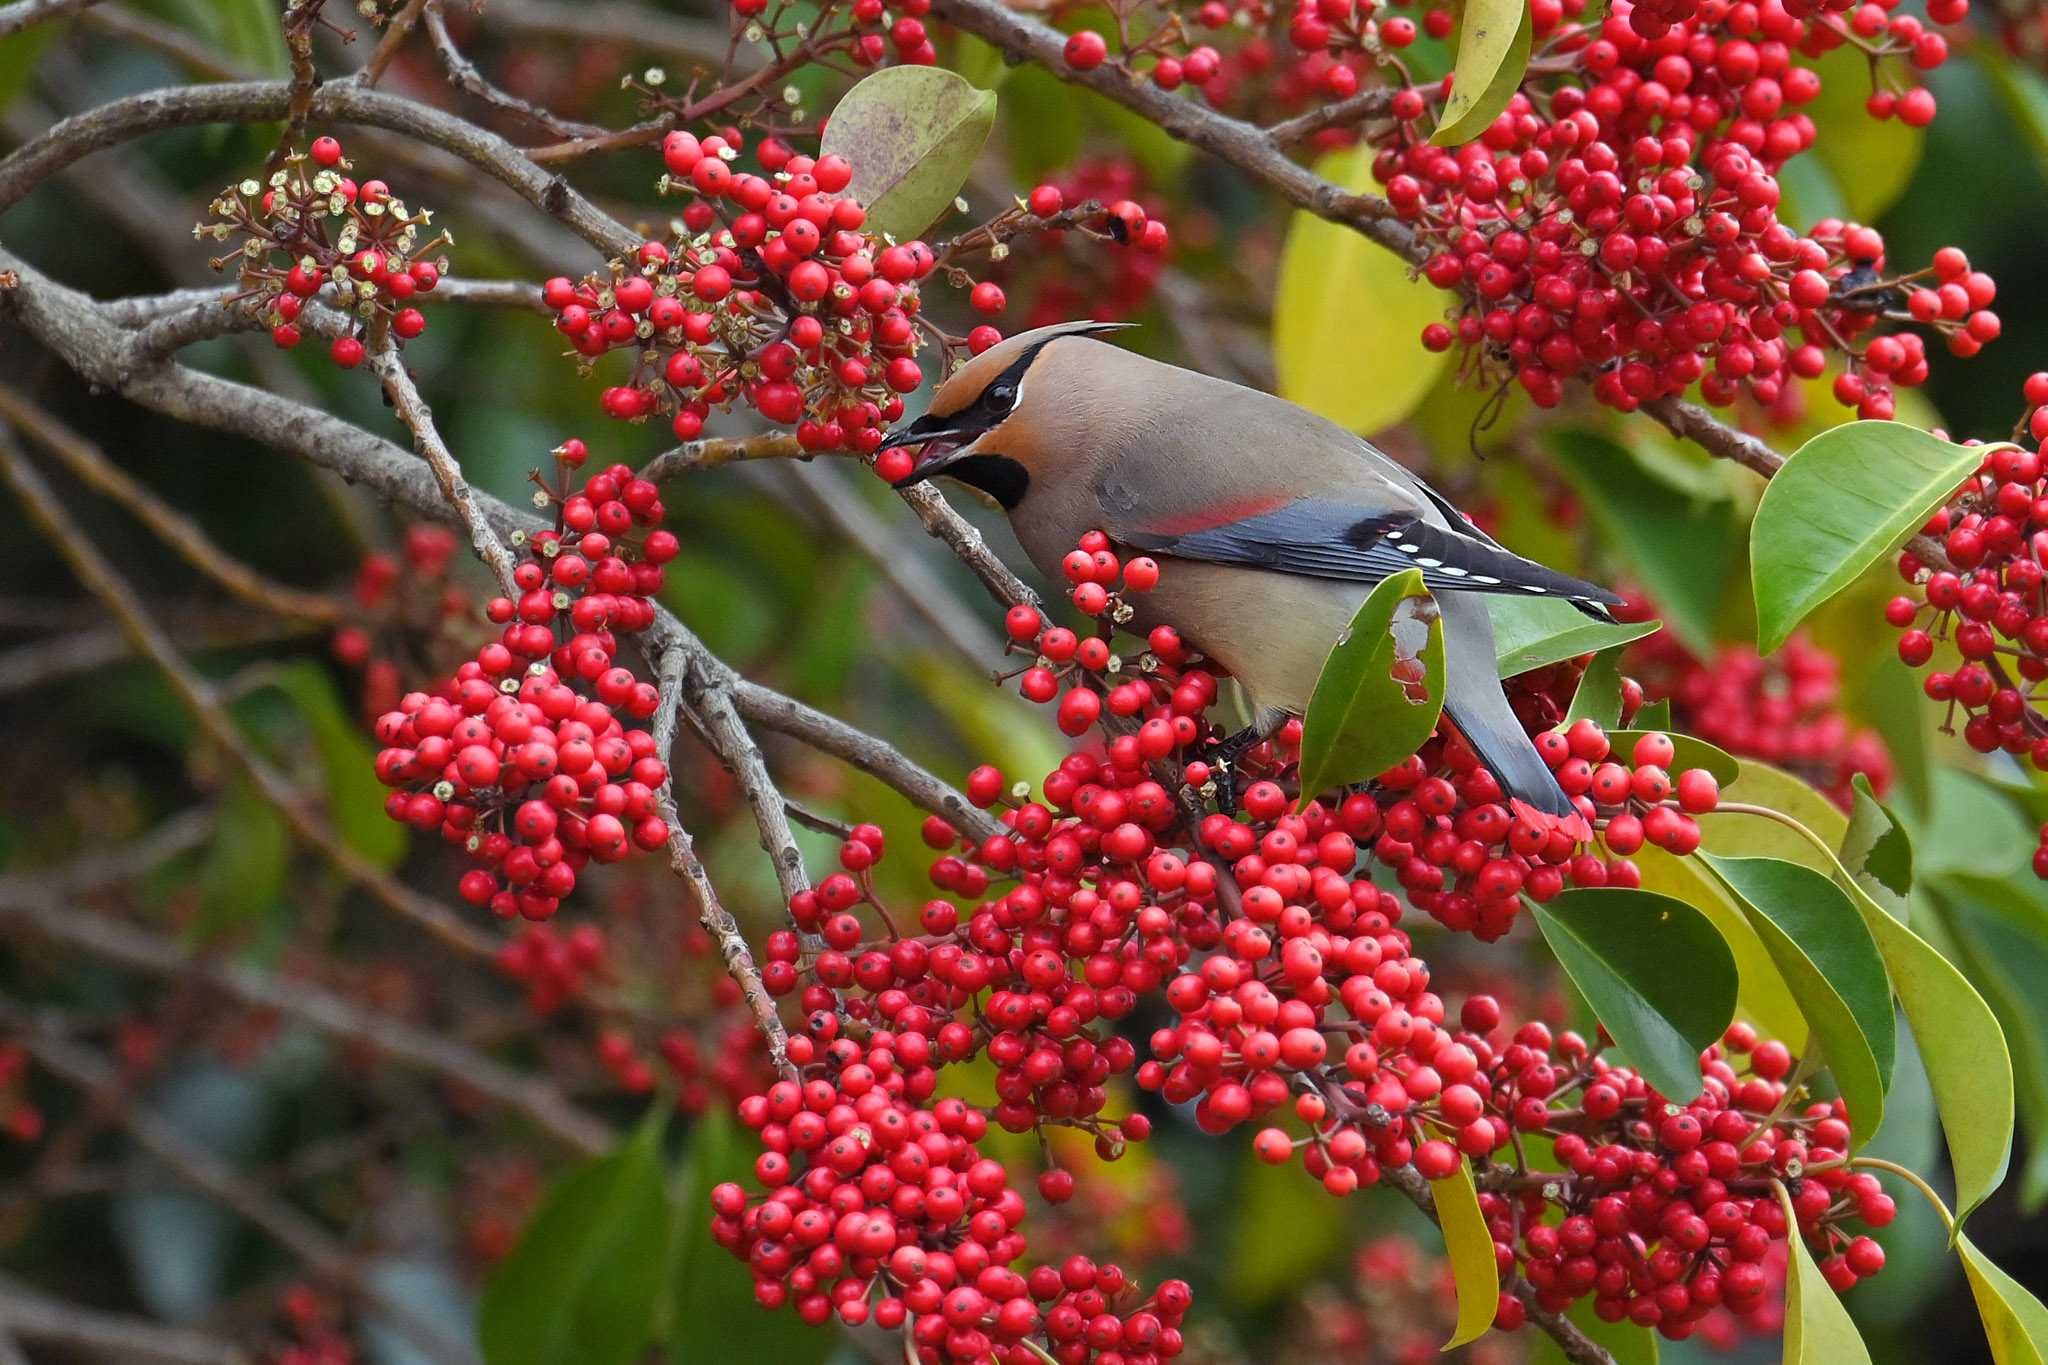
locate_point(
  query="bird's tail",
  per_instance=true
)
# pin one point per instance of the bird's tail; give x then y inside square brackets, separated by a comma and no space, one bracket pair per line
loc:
[1479,709]
[1493,733]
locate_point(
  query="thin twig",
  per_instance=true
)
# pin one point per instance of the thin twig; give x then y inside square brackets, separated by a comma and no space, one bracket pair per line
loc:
[208,1174]
[38,900]
[173,527]
[106,583]
[419,420]
[27,13]
[395,34]
[684,862]
[463,74]
[72,1327]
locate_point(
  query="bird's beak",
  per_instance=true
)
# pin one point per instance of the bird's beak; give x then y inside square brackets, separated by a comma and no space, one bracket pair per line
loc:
[942,442]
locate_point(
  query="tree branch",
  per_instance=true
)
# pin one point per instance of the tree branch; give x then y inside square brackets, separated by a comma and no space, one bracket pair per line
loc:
[426,438]
[27,13]
[211,1176]
[72,1327]
[38,901]
[462,74]
[173,527]
[122,120]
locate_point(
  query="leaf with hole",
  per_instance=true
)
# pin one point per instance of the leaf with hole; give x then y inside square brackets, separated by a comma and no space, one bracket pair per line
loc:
[1844,501]
[1380,691]
[1819,941]
[911,134]
[1876,851]
[1618,947]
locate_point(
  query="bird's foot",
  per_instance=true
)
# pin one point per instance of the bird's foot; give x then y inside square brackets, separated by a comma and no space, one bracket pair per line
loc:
[1222,757]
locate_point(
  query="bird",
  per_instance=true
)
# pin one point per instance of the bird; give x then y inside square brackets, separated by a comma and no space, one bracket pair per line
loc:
[1272,524]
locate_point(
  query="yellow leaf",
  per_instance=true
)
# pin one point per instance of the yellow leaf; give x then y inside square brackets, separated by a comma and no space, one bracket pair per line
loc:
[1470,1247]
[1347,319]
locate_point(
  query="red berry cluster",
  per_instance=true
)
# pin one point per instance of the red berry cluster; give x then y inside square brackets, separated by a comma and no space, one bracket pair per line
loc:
[1785,709]
[402,609]
[777,298]
[869,32]
[522,757]
[1398,1308]
[311,228]
[1669,1211]
[1292,985]
[881,1207]
[497,1195]
[1987,598]
[1619,220]
[1107,286]
[1460,848]
[553,966]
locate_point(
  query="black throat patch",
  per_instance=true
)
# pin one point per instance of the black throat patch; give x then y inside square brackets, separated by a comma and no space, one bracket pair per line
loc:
[999,476]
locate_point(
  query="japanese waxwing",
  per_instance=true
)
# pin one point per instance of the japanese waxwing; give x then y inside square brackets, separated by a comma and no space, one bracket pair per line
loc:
[1275,523]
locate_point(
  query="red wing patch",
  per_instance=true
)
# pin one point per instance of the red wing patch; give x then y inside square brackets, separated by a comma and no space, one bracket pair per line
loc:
[1219,514]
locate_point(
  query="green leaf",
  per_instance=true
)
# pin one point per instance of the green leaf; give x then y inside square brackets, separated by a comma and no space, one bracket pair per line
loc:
[244,868]
[1655,716]
[2014,1320]
[1380,691]
[1876,851]
[1529,632]
[1687,752]
[1493,55]
[911,134]
[1762,997]
[1845,500]
[1682,547]
[355,798]
[1598,695]
[1967,1060]
[1819,941]
[2003,960]
[1470,1247]
[1330,277]
[589,1279]
[2024,95]
[1624,1342]
[1960,1040]
[1973,828]
[1818,1329]
[1760,836]
[1619,947]
[714,1316]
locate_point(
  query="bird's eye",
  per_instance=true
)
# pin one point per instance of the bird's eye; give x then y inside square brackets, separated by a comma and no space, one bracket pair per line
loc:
[1001,395]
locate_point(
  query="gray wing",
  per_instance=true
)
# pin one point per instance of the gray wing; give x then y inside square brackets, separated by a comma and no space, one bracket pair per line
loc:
[1317,538]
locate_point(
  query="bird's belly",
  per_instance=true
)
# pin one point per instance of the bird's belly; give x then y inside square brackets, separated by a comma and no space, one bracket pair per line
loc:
[1272,631]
